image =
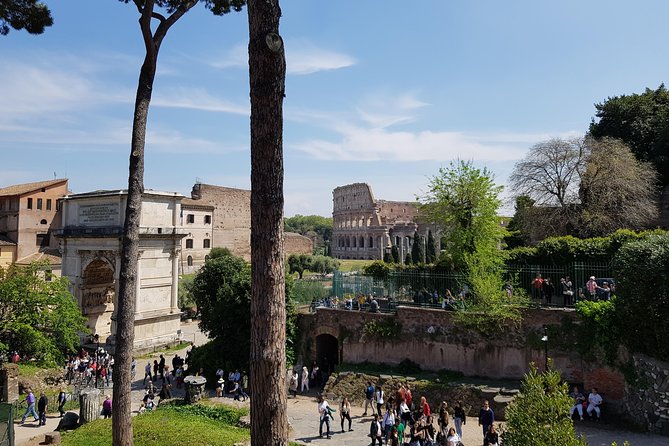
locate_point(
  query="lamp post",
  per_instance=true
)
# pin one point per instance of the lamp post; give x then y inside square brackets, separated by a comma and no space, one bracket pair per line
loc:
[96,337]
[544,339]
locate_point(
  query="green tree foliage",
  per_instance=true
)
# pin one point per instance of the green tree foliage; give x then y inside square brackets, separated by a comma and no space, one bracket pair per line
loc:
[642,270]
[641,121]
[431,249]
[408,260]
[222,292]
[395,254]
[387,257]
[539,415]
[299,263]
[217,252]
[417,249]
[599,333]
[185,297]
[567,249]
[316,227]
[38,317]
[517,235]
[31,15]
[463,200]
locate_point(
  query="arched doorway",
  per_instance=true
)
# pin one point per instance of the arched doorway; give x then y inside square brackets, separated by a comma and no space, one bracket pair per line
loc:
[327,352]
[98,291]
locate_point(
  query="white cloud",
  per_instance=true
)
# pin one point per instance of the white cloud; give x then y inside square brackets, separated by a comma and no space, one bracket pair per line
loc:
[306,58]
[364,144]
[236,57]
[301,58]
[43,89]
[198,99]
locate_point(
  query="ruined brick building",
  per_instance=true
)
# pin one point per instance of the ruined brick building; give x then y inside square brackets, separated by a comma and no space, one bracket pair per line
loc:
[366,228]
[229,225]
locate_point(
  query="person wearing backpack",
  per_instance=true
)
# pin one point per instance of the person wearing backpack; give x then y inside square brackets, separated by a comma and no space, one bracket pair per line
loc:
[369,395]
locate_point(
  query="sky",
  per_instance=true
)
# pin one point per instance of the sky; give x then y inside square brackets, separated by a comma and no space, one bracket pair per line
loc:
[377,91]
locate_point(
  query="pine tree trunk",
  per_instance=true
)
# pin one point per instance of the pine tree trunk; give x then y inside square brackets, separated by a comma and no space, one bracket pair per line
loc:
[125,316]
[267,69]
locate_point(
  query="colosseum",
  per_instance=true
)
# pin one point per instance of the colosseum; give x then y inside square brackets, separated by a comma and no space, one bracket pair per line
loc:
[366,228]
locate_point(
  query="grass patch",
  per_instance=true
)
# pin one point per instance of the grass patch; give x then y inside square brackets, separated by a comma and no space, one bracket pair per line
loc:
[162,427]
[348,265]
[29,370]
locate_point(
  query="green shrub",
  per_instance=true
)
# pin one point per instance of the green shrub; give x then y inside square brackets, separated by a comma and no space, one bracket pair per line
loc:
[384,329]
[641,268]
[599,331]
[539,415]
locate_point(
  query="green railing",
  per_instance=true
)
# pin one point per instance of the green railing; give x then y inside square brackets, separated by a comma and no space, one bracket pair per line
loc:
[7,424]
[414,286]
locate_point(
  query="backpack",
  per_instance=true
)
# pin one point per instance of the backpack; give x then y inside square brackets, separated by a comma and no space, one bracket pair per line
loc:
[369,392]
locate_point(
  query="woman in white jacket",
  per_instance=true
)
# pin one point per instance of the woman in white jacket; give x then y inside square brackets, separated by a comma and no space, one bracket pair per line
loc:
[305,379]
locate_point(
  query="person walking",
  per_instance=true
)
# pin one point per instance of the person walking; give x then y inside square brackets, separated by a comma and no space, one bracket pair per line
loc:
[375,431]
[345,413]
[388,422]
[443,418]
[459,418]
[486,417]
[62,399]
[30,410]
[147,372]
[453,438]
[379,397]
[324,410]
[305,379]
[42,405]
[107,407]
[369,398]
[491,438]
[293,383]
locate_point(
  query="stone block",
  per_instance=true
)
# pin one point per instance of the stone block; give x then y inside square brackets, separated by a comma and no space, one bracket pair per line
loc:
[52,438]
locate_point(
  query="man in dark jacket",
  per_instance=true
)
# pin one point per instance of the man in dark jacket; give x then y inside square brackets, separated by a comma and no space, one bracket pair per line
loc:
[486,417]
[375,430]
[41,408]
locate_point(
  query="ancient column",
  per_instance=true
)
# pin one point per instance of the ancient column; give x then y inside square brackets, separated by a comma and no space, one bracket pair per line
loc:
[174,301]
[89,405]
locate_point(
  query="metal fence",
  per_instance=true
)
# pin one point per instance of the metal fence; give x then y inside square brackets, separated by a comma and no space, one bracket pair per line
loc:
[7,411]
[410,286]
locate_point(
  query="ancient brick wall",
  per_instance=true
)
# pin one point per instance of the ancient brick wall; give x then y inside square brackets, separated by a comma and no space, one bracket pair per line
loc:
[232,216]
[430,338]
[647,400]
[295,243]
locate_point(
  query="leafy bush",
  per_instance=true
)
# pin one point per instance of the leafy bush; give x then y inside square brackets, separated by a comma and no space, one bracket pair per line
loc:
[642,270]
[567,249]
[539,415]
[599,329]
[383,329]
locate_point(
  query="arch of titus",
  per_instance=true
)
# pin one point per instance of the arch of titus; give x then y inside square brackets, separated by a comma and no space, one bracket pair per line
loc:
[91,243]
[365,228]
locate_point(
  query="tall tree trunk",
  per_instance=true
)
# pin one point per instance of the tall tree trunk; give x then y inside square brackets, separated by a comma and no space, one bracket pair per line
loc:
[125,317]
[267,69]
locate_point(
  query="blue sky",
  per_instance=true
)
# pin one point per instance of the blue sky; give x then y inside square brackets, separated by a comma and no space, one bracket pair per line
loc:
[383,92]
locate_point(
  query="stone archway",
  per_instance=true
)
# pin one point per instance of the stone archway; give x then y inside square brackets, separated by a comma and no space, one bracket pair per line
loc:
[98,292]
[327,352]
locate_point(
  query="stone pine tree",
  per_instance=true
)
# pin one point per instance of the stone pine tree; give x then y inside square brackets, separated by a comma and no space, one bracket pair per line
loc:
[417,249]
[431,250]
[267,70]
[31,15]
[128,275]
[395,254]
